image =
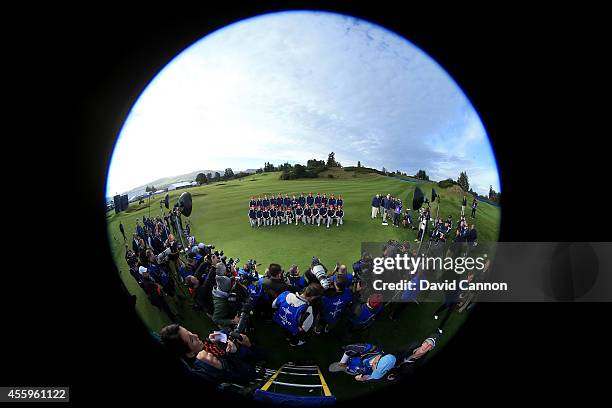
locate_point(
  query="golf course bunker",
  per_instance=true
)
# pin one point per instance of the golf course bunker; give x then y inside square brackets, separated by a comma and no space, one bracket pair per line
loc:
[296,103]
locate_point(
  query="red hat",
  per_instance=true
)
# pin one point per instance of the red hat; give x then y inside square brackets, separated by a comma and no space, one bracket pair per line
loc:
[375,300]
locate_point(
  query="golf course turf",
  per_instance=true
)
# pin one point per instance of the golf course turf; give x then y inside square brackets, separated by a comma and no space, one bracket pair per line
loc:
[220,217]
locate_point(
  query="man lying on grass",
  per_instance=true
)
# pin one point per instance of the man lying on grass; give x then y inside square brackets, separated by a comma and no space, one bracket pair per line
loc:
[365,361]
[218,358]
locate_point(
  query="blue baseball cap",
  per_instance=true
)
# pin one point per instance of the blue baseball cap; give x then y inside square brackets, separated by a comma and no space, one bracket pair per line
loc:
[385,364]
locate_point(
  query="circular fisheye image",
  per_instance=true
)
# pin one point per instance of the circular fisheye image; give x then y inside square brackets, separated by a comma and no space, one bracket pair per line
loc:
[249,179]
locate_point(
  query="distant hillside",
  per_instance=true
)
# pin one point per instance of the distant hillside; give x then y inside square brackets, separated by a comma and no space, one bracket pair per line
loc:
[162,183]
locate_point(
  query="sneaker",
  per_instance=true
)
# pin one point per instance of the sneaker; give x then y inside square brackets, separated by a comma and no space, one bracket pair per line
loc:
[435,317]
[384,223]
[299,343]
[439,330]
[326,330]
[317,330]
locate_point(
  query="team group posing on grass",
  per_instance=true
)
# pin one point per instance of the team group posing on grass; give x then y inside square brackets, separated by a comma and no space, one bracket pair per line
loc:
[309,210]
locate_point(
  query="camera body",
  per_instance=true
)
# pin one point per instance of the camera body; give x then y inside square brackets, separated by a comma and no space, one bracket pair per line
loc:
[318,270]
[243,322]
[162,257]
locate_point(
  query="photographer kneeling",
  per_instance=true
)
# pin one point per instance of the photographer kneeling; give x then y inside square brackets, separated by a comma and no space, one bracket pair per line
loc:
[218,358]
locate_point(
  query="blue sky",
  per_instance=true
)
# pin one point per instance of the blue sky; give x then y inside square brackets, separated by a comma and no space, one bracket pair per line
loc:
[296,85]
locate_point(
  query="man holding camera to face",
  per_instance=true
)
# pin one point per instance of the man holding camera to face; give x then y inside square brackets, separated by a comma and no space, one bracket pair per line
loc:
[219,358]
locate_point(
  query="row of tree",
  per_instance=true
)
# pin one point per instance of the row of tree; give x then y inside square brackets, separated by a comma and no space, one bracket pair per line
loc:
[313,167]
[228,174]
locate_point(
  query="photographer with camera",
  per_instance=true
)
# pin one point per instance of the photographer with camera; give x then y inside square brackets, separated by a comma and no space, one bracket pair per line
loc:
[224,314]
[214,267]
[363,313]
[217,359]
[294,312]
[160,272]
[409,358]
[364,361]
[334,302]
[154,293]
[317,273]
[274,283]
[295,279]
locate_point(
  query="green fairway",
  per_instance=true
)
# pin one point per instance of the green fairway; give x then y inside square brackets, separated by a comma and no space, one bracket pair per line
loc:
[220,217]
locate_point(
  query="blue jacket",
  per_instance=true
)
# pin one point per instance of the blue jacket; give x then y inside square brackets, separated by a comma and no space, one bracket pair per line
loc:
[298,283]
[375,202]
[288,316]
[360,358]
[365,315]
[334,306]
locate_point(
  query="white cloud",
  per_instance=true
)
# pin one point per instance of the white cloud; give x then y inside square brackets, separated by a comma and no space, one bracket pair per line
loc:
[294,86]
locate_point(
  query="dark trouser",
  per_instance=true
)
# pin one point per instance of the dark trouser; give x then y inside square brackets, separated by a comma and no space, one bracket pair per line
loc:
[251,354]
[448,306]
[294,339]
[473,213]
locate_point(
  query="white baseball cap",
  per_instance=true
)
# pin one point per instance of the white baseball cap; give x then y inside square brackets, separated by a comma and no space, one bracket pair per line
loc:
[142,269]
